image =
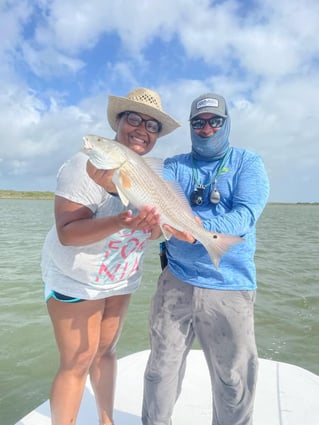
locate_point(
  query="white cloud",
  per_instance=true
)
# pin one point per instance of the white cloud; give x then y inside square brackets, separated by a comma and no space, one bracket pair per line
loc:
[49,62]
[60,62]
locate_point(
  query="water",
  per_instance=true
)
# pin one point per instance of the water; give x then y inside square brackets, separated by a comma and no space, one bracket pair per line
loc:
[287,307]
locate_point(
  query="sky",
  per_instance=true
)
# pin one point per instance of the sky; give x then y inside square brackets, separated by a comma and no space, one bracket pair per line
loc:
[61,59]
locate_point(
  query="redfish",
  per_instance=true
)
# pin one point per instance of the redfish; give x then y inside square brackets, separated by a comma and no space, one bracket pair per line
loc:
[138,181]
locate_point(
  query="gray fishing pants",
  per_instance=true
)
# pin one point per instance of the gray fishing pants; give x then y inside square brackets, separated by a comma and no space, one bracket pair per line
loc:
[223,322]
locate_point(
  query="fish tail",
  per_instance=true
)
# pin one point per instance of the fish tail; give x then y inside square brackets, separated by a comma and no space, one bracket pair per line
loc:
[217,244]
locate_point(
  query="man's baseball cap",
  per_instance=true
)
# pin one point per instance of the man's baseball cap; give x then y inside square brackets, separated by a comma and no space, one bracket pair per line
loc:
[209,103]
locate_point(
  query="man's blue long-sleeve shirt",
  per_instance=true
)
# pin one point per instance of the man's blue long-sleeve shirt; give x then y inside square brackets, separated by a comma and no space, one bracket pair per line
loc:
[244,189]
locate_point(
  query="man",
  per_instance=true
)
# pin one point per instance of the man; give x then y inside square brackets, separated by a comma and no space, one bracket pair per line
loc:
[228,189]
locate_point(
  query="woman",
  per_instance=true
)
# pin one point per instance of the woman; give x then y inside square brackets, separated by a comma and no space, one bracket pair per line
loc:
[92,258]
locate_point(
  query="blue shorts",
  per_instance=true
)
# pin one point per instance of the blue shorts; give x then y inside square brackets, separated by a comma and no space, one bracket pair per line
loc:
[64,298]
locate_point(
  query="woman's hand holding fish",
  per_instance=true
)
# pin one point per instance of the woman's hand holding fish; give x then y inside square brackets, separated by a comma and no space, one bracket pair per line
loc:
[101,177]
[147,219]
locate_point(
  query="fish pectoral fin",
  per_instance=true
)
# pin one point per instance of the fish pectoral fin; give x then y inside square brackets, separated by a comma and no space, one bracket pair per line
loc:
[123,198]
[167,235]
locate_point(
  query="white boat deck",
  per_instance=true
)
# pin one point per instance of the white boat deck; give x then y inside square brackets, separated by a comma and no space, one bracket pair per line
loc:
[286,395]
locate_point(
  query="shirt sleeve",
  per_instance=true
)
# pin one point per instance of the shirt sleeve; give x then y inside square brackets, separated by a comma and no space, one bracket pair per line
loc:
[250,195]
[74,184]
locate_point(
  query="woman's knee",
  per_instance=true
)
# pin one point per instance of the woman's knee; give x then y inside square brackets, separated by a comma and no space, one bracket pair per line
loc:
[79,364]
[107,351]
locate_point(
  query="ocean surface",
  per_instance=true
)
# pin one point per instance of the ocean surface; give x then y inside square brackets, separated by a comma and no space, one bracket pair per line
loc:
[287,306]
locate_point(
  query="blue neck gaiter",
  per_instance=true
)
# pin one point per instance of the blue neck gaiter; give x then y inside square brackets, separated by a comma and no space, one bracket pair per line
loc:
[211,148]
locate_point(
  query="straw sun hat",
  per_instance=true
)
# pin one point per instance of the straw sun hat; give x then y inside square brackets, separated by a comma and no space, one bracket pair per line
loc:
[143,101]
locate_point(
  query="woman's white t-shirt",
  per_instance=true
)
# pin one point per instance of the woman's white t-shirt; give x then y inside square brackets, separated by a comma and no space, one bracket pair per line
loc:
[109,267]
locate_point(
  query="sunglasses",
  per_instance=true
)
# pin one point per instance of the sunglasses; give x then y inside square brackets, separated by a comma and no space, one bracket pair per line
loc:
[135,120]
[214,122]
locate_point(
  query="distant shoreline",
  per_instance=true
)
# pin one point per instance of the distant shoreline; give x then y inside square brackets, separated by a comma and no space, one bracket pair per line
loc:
[19,194]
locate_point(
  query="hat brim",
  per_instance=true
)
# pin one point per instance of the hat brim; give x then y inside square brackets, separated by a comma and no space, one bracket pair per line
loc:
[118,104]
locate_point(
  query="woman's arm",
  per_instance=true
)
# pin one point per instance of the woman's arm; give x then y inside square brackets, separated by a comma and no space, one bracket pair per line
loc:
[76,226]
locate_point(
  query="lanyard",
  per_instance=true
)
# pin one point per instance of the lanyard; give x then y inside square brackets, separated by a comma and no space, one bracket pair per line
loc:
[219,171]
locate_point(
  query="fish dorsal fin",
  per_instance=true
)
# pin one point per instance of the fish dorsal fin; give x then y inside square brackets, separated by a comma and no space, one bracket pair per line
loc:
[175,186]
[156,164]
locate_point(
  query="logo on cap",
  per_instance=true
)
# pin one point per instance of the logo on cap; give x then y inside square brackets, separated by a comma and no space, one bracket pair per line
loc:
[207,102]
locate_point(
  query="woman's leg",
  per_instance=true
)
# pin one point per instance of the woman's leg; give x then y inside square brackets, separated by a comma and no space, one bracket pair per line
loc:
[103,368]
[77,333]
